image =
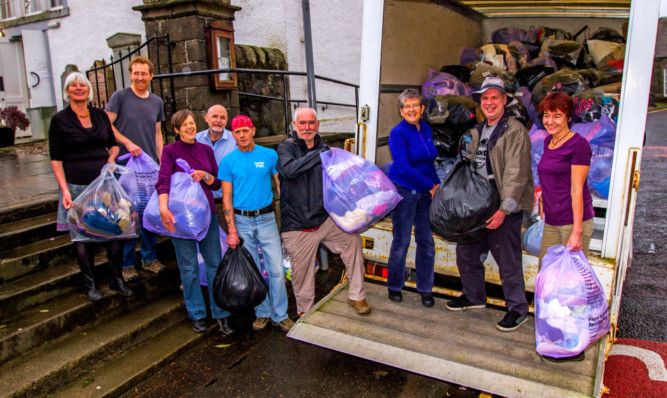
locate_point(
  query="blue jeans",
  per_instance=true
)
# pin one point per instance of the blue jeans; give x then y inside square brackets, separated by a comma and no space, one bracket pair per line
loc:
[262,230]
[148,249]
[186,255]
[411,211]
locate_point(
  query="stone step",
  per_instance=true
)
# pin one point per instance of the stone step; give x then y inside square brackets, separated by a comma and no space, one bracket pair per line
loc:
[28,230]
[51,365]
[19,261]
[62,314]
[136,365]
[43,204]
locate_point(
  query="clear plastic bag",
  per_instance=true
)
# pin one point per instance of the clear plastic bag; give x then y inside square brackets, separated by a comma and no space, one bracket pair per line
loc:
[356,192]
[565,81]
[532,238]
[566,53]
[441,83]
[104,211]
[145,175]
[188,204]
[571,311]
[203,279]
[590,105]
[462,204]
[481,71]
[238,284]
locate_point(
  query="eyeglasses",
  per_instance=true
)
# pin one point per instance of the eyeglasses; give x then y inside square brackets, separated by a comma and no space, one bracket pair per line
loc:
[411,106]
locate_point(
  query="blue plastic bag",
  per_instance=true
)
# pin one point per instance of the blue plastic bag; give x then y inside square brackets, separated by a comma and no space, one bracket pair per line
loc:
[188,204]
[532,238]
[571,311]
[203,279]
[145,175]
[104,210]
[356,192]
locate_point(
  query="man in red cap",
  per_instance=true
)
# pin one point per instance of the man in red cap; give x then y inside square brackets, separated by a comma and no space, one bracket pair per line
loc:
[247,198]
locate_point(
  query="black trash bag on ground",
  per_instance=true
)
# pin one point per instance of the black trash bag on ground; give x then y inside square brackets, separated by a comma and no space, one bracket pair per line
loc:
[565,53]
[565,81]
[481,71]
[238,284]
[461,72]
[607,34]
[462,204]
[530,76]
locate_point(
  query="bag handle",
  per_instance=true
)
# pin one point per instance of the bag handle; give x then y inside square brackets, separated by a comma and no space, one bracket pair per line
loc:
[184,165]
[123,157]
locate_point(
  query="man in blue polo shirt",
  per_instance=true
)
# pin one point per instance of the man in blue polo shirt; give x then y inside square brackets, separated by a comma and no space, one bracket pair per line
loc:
[248,207]
[223,143]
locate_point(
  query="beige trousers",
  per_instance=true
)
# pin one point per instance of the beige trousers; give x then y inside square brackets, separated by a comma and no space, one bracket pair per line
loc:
[560,234]
[302,248]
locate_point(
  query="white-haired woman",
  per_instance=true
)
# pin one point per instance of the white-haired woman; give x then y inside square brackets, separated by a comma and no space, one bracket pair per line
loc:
[81,142]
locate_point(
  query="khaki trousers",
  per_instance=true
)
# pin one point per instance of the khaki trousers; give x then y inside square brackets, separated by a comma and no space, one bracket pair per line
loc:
[302,248]
[560,234]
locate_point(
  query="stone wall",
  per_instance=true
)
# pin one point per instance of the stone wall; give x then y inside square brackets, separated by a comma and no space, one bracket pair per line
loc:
[267,115]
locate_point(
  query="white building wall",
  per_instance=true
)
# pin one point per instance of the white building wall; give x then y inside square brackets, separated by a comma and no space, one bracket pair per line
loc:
[336,32]
[81,37]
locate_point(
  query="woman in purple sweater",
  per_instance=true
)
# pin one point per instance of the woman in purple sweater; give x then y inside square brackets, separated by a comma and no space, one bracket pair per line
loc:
[200,157]
[566,204]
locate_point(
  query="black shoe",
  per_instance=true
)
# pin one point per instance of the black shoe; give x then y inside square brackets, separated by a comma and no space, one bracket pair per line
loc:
[512,321]
[461,304]
[576,358]
[93,293]
[225,328]
[121,287]
[395,296]
[199,325]
[427,299]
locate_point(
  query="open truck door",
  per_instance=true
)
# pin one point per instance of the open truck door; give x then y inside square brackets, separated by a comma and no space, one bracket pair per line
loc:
[465,347]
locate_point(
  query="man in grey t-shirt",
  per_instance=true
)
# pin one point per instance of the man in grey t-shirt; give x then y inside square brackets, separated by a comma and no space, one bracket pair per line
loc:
[136,116]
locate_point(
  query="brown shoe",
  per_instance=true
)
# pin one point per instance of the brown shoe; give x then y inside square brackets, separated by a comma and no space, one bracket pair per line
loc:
[285,325]
[130,274]
[361,306]
[154,266]
[260,324]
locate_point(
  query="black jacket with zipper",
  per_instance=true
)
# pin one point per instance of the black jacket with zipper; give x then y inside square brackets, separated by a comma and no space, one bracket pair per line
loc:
[300,174]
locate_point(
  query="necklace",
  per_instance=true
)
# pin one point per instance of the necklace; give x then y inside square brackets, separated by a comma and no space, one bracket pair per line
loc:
[84,116]
[554,143]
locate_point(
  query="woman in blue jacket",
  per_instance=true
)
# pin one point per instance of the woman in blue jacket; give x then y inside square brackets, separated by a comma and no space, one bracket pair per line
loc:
[413,173]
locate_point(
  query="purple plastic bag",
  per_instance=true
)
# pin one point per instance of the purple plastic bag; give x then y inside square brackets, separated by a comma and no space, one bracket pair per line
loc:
[571,311]
[145,173]
[356,192]
[599,175]
[442,83]
[537,137]
[203,280]
[188,204]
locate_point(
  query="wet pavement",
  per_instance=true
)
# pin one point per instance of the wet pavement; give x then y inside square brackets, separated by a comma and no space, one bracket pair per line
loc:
[25,179]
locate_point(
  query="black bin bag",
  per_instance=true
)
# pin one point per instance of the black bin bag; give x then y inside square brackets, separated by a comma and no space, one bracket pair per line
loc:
[462,204]
[238,285]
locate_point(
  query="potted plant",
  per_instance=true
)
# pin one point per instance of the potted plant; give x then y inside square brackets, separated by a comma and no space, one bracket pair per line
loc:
[11,118]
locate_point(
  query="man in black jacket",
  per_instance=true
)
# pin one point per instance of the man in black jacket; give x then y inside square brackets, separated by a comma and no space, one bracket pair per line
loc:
[304,221]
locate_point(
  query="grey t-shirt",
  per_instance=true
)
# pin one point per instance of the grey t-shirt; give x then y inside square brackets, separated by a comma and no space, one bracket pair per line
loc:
[136,118]
[482,149]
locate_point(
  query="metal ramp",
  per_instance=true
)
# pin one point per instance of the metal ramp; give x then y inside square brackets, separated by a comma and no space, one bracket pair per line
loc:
[463,347]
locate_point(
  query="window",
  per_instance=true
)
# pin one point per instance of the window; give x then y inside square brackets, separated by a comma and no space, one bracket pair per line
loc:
[56,3]
[221,54]
[32,6]
[7,9]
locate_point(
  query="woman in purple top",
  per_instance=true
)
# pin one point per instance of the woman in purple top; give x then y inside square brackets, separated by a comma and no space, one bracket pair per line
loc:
[413,173]
[200,157]
[566,204]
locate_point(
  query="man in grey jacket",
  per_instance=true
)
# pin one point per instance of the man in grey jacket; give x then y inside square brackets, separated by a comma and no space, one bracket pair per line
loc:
[500,150]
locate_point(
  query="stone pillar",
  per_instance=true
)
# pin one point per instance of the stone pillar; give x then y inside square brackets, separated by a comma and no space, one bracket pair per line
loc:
[122,44]
[186,22]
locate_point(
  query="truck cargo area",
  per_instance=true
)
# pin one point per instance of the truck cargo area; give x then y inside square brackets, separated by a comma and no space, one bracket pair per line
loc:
[463,347]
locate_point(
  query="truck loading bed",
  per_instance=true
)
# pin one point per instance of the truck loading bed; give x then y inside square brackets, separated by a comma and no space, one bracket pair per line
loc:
[462,347]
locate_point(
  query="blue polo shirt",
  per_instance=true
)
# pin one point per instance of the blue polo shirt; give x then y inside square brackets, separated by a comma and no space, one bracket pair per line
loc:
[221,148]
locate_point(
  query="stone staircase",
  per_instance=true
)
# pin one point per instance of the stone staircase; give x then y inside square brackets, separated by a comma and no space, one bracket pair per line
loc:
[55,342]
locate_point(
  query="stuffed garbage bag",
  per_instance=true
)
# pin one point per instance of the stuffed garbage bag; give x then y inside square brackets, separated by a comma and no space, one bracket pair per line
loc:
[571,311]
[188,204]
[104,211]
[462,204]
[442,83]
[532,238]
[145,174]
[238,284]
[356,192]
